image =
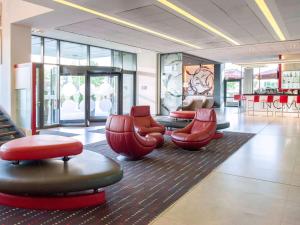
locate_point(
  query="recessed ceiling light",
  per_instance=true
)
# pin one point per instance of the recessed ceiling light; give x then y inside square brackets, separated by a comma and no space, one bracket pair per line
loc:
[37,31]
[267,13]
[125,23]
[197,20]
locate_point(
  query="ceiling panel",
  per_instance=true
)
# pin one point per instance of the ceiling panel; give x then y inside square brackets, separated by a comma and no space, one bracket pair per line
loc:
[239,19]
[104,30]
[290,12]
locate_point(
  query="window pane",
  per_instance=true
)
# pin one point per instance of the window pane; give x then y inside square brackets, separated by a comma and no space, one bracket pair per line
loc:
[117,59]
[50,54]
[100,56]
[36,49]
[73,54]
[128,89]
[51,96]
[129,61]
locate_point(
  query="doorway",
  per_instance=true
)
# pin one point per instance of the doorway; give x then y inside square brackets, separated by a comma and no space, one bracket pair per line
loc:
[232,87]
[78,95]
[103,96]
[47,95]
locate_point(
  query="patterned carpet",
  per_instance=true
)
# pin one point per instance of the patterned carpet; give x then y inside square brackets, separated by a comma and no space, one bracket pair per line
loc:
[149,186]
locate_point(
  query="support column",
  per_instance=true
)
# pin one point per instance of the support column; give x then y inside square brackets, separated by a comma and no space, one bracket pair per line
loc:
[247,85]
[219,85]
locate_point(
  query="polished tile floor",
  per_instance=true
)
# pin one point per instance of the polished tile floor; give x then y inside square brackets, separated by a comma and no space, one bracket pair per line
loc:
[258,185]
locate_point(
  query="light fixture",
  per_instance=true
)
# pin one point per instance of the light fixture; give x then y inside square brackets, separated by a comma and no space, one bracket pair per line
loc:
[196,20]
[267,13]
[125,23]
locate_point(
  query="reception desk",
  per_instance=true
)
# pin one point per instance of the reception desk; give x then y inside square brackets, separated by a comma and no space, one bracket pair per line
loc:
[280,103]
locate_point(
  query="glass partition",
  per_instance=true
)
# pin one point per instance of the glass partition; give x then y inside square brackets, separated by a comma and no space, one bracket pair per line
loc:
[73,54]
[50,51]
[117,59]
[36,49]
[263,79]
[129,61]
[171,82]
[100,57]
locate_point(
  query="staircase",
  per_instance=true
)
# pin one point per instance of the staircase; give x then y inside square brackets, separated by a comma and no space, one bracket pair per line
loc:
[8,130]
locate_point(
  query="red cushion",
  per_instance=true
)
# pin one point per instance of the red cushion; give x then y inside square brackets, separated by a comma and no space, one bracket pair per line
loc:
[183,114]
[40,147]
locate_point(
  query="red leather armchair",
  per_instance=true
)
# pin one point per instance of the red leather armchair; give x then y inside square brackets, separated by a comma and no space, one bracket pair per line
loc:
[199,132]
[123,139]
[143,121]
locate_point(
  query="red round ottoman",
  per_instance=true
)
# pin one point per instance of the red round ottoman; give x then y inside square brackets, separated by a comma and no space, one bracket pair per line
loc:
[40,147]
[188,115]
[158,137]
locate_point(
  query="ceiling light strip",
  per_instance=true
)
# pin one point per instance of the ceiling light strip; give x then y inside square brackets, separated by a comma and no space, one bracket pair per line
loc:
[196,20]
[125,23]
[267,13]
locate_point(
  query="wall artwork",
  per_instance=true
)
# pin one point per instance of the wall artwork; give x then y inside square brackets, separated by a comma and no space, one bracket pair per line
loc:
[198,80]
[171,82]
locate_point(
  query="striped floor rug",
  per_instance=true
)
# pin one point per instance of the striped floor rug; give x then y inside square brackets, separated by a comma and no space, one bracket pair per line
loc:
[149,186]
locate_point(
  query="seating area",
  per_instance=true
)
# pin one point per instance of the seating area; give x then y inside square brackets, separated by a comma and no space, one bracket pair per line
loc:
[163,112]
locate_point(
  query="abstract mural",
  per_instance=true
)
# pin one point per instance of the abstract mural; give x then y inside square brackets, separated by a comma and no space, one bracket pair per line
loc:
[198,80]
[171,82]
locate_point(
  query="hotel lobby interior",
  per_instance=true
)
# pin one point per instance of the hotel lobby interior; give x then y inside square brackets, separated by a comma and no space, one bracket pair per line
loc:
[160,112]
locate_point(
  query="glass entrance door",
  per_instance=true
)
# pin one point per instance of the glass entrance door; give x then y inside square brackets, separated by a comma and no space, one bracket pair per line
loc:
[47,95]
[232,87]
[72,99]
[104,96]
[51,95]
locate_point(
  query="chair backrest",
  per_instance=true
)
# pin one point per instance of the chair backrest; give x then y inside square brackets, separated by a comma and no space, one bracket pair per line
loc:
[141,115]
[298,99]
[256,98]
[119,124]
[237,97]
[283,99]
[270,99]
[206,115]
[204,118]
[140,111]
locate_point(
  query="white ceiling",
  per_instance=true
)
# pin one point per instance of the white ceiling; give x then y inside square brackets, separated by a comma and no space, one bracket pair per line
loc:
[239,19]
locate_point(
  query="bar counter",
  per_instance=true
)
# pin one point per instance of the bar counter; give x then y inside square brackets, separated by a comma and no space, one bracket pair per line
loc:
[262,103]
[277,94]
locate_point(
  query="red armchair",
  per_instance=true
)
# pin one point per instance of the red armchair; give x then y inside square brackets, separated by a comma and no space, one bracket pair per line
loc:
[123,139]
[143,121]
[199,132]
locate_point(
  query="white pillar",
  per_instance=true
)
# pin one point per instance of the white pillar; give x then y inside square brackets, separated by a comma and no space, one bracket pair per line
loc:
[16,49]
[247,81]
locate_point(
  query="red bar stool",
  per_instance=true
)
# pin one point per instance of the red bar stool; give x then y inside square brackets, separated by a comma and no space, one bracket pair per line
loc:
[238,98]
[256,99]
[269,101]
[283,100]
[297,102]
